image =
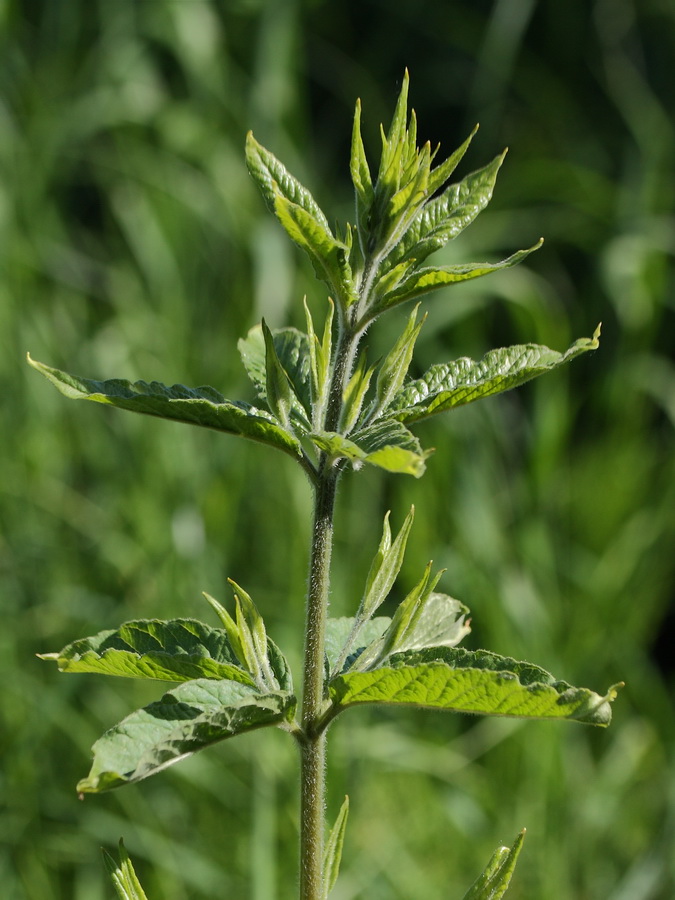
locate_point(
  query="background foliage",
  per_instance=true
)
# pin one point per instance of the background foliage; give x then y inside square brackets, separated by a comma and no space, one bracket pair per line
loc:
[133,244]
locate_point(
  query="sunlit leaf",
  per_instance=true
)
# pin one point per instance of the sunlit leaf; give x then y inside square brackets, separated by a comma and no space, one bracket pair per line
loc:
[329,256]
[333,853]
[422,281]
[475,682]
[493,882]
[175,650]
[186,719]
[202,406]
[123,876]
[274,181]
[381,445]
[449,385]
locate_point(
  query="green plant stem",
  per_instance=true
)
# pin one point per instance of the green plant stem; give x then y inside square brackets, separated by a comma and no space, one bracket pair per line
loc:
[313,740]
[313,744]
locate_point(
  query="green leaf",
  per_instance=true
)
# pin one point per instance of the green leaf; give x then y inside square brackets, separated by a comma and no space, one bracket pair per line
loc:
[475,682]
[442,219]
[256,652]
[177,650]
[338,632]
[385,566]
[441,173]
[202,406]
[330,257]
[449,385]
[292,349]
[320,353]
[361,179]
[422,281]
[186,719]
[382,445]
[123,876]
[333,852]
[493,882]
[274,181]
[395,366]
[278,387]
[355,393]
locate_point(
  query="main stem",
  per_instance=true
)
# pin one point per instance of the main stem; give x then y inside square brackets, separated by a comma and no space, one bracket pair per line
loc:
[313,741]
[313,746]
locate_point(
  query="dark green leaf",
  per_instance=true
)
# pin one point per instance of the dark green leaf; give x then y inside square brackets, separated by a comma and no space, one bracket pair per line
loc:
[188,718]
[475,682]
[177,650]
[449,385]
[494,881]
[202,406]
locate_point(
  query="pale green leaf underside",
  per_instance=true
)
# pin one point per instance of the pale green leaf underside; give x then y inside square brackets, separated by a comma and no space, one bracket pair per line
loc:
[448,385]
[123,876]
[384,445]
[471,682]
[179,650]
[202,406]
[338,630]
[186,719]
[493,882]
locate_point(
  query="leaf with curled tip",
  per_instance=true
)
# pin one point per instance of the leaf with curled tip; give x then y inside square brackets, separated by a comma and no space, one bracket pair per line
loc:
[476,682]
[203,406]
[457,383]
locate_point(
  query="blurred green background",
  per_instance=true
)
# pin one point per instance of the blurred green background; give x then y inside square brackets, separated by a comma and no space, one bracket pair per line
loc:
[133,244]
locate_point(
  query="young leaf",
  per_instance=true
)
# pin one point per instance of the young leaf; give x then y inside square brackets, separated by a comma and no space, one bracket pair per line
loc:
[385,566]
[338,632]
[405,619]
[177,650]
[361,179]
[278,388]
[292,349]
[202,406]
[493,882]
[333,852]
[274,181]
[330,257]
[442,219]
[381,445]
[449,385]
[186,719]
[441,173]
[422,281]
[474,682]
[355,393]
[123,876]
[320,353]
[395,366]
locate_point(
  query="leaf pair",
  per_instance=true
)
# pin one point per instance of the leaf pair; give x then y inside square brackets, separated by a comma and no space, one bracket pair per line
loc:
[232,680]
[413,658]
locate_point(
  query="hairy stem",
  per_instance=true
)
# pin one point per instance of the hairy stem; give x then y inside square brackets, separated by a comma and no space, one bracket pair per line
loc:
[313,745]
[313,741]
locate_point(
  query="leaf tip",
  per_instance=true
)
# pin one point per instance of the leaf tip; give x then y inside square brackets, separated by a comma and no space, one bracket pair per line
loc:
[47,656]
